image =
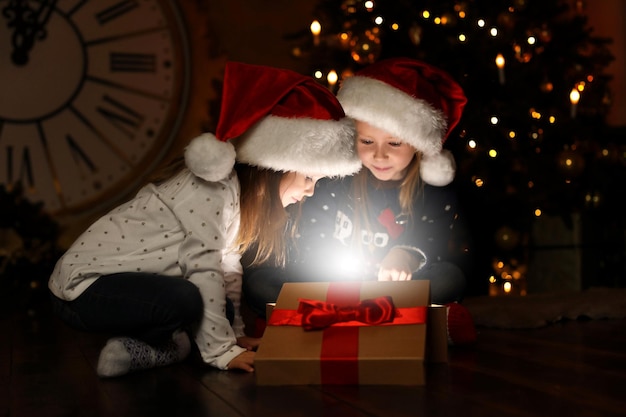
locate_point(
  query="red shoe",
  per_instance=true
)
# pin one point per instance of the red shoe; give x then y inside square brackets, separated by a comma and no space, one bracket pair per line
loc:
[460,325]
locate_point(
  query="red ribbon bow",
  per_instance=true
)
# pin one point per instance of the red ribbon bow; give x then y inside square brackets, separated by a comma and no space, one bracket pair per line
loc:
[319,314]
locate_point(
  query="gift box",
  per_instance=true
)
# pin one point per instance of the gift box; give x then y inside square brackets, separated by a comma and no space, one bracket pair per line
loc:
[365,332]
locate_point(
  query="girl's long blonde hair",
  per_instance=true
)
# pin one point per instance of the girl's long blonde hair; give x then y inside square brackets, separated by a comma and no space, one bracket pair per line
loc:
[265,225]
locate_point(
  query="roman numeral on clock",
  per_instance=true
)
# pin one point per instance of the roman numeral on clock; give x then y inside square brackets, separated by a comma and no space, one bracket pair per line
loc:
[130,62]
[116,10]
[121,116]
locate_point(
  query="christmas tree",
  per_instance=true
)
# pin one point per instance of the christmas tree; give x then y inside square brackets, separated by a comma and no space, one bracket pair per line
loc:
[533,141]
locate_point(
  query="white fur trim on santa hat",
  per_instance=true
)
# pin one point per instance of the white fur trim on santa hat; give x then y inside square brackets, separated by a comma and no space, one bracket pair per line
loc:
[439,169]
[209,158]
[408,118]
[304,145]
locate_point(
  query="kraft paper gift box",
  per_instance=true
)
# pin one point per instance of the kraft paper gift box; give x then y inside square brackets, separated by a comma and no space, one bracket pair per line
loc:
[348,352]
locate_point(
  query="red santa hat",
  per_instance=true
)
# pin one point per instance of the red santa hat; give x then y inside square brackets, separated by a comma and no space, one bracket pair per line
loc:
[415,102]
[277,119]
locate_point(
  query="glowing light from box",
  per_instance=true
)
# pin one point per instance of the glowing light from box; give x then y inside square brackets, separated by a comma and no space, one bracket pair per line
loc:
[507,286]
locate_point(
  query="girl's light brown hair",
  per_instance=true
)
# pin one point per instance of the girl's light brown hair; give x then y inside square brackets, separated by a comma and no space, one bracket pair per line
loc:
[410,187]
[265,223]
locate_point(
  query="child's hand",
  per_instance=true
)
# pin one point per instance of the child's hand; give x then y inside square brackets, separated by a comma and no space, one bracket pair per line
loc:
[398,265]
[245,362]
[249,343]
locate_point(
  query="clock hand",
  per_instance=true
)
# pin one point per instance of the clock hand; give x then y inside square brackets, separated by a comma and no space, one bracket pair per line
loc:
[29,25]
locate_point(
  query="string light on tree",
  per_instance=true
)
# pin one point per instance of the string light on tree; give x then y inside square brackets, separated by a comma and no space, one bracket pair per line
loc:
[500,65]
[574,97]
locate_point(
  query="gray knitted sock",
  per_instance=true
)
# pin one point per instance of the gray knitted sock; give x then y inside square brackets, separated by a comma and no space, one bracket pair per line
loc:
[122,355]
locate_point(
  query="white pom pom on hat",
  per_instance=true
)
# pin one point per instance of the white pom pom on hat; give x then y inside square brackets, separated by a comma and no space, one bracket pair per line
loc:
[209,158]
[415,102]
[277,119]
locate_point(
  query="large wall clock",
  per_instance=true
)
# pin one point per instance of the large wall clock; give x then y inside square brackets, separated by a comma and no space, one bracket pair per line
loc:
[92,94]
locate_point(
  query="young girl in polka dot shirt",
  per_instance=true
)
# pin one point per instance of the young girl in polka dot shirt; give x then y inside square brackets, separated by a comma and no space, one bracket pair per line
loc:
[164,268]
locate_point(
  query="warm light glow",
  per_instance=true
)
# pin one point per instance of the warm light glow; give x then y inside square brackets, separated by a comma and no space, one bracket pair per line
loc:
[378,20]
[494,120]
[531,40]
[493,153]
[500,61]
[462,37]
[552,119]
[537,212]
[492,279]
[316,28]
[369,5]
[574,96]
[493,32]
[478,182]
[512,134]
[437,20]
[332,77]
[472,144]
[395,26]
[318,74]
[481,23]
[507,287]
[426,14]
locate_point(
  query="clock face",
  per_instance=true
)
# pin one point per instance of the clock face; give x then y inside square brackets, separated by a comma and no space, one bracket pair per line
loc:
[92,95]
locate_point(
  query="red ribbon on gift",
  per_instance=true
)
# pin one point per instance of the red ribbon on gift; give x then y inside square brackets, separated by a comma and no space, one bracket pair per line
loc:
[319,314]
[339,318]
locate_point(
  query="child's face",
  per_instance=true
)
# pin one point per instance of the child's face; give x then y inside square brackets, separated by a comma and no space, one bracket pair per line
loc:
[385,156]
[294,186]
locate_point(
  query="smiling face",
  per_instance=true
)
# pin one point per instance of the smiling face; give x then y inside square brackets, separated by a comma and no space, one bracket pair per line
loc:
[385,156]
[294,186]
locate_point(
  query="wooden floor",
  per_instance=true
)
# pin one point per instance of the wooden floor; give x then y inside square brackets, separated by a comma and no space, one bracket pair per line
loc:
[575,368]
